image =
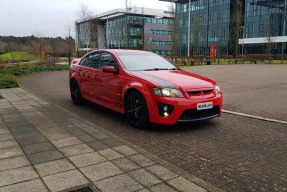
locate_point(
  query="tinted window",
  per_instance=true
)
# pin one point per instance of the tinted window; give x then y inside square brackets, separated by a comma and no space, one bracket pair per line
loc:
[107,60]
[91,60]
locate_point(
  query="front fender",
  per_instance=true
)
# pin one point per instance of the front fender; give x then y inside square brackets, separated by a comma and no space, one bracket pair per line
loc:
[145,91]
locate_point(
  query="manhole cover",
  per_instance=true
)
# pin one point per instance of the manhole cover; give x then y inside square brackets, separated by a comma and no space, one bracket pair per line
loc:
[86,189]
[1,97]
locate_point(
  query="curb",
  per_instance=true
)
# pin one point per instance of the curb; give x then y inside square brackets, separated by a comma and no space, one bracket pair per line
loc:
[255,117]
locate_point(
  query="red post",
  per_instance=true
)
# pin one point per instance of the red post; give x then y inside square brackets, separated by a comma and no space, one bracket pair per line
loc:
[212,52]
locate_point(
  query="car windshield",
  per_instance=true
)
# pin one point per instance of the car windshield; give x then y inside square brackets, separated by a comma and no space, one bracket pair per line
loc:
[145,62]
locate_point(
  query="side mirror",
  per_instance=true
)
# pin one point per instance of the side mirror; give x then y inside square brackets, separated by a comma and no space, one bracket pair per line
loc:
[110,69]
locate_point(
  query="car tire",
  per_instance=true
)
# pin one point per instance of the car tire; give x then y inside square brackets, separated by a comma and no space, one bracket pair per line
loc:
[76,95]
[136,110]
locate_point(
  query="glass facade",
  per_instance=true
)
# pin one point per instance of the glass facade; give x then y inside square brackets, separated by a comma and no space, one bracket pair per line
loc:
[87,33]
[209,25]
[84,34]
[128,32]
[118,29]
[264,19]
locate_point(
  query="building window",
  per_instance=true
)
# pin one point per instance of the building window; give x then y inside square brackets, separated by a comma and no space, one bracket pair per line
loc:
[223,34]
[161,42]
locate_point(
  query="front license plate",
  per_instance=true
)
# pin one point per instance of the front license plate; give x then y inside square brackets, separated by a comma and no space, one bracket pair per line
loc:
[202,106]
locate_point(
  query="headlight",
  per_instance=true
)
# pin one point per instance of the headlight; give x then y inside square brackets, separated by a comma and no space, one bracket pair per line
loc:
[217,89]
[167,92]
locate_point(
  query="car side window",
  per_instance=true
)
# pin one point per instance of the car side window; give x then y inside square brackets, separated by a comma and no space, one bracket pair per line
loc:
[107,60]
[91,60]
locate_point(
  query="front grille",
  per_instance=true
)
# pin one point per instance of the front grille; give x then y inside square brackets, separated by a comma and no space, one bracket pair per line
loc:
[197,93]
[194,92]
[197,115]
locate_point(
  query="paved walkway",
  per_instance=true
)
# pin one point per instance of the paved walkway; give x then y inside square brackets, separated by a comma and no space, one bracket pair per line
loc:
[45,148]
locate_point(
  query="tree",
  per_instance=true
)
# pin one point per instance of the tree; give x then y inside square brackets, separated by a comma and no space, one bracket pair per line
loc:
[3,47]
[270,32]
[39,46]
[55,47]
[128,8]
[70,43]
[196,32]
[84,16]
[175,31]
[236,21]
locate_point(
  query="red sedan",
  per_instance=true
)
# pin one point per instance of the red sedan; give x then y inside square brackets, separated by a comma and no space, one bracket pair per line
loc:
[143,86]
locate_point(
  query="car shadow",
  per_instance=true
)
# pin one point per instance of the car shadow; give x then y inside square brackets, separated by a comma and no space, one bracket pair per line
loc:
[182,127]
[96,113]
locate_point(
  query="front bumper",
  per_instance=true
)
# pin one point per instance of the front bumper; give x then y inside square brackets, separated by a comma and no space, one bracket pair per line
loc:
[185,109]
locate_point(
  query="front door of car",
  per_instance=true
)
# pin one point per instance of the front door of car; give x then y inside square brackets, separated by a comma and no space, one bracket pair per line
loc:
[110,88]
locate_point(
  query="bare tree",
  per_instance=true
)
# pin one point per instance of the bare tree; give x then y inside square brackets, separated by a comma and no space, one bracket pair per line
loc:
[196,33]
[40,41]
[39,46]
[175,31]
[236,22]
[84,16]
[70,42]
[219,45]
[269,40]
[55,48]
[128,9]
[3,46]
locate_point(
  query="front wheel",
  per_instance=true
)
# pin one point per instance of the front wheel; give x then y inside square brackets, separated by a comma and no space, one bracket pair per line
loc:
[136,110]
[76,93]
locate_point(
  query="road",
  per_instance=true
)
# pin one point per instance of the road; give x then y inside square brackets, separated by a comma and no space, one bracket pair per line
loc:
[232,152]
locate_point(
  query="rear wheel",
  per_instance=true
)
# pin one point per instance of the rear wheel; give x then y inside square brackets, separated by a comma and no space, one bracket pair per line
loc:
[76,93]
[136,110]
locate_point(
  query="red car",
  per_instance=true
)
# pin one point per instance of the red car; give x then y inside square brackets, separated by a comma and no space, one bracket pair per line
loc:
[144,86]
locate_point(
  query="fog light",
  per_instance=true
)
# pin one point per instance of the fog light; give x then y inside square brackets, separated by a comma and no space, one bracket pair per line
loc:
[165,108]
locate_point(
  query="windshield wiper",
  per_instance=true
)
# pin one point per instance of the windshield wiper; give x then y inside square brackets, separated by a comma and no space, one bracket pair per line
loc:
[156,69]
[173,68]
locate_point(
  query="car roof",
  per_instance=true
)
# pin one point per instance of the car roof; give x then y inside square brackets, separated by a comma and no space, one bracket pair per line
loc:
[124,51]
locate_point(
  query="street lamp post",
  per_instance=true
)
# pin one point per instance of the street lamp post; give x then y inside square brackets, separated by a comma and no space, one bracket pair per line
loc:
[188,33]
[107,32]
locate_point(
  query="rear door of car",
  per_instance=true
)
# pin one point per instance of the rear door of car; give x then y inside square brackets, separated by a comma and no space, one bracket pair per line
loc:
[89,74]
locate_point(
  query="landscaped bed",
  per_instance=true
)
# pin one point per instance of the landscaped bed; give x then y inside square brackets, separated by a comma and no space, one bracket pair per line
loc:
[8,74]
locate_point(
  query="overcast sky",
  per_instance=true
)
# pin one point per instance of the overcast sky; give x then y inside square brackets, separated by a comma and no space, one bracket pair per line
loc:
[50,17]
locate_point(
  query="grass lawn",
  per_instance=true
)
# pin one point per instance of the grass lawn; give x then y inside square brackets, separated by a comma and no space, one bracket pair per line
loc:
[8,75]
[16,56]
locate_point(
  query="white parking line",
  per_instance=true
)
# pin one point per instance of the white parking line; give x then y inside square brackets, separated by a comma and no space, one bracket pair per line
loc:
[254,117]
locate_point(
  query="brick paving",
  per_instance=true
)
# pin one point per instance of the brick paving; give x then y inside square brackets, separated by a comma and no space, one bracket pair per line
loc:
[249,157]
[44,148]
[233,153]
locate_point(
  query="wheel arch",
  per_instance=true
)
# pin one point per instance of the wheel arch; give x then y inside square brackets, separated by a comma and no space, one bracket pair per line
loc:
[72,79]
[140,88]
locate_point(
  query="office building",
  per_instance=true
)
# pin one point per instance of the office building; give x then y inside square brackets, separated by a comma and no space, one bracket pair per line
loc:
[203,23]
[133,28]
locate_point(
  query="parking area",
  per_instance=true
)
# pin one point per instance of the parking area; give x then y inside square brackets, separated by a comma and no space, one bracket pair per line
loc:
[253,89]
[234,153]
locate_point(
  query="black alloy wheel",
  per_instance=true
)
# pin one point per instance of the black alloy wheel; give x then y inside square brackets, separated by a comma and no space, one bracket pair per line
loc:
[76,93]
[136,110]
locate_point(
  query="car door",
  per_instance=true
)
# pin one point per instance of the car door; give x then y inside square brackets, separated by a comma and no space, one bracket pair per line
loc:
[88,74]
[109,87]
